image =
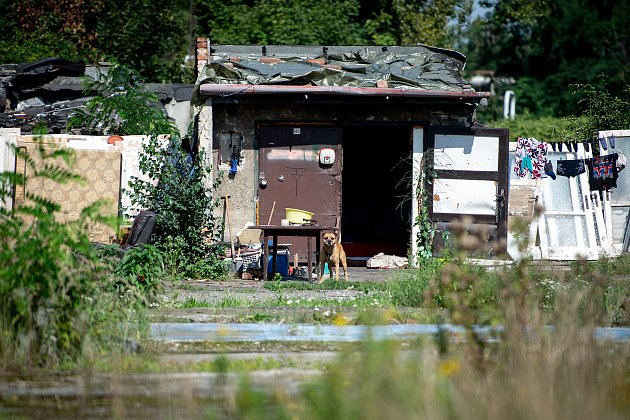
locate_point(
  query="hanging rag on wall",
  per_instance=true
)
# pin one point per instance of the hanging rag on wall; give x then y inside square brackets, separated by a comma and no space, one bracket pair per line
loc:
[604,172]
[234,161]
[530,155]
[570,168]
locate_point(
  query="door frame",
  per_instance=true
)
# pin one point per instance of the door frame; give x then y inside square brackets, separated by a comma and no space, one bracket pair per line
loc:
[424,139]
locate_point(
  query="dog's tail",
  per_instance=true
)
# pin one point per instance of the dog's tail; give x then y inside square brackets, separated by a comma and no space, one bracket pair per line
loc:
[338,228]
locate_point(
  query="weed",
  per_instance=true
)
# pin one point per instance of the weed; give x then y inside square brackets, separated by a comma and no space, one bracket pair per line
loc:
[191,302]
[328,284]
[259,317]
[45,267]
[142,267]
[531,371]
[57,303]
[175,189]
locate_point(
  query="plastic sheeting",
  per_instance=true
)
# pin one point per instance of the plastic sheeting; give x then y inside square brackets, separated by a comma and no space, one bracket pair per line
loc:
[420,67]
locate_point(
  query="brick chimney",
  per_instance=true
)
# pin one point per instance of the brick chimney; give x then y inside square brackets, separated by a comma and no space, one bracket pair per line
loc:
[202,53]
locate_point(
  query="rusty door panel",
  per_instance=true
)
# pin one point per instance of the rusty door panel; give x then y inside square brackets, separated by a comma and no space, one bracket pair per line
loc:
[289,161]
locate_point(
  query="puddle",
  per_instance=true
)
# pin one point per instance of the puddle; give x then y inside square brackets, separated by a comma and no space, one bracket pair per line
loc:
[197,331]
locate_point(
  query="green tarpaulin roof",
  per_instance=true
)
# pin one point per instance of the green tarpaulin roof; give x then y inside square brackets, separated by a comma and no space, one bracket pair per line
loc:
[417,68]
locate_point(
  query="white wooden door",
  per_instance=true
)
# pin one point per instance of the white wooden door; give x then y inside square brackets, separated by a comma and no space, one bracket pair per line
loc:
[471,177]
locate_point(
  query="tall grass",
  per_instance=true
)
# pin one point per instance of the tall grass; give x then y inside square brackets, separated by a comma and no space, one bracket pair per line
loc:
[57,298]
[525,370]
[529,371]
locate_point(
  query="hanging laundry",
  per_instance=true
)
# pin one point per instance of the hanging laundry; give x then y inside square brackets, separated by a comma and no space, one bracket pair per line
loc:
[530,155]
[612,141]
[549,170]
[621,161]
[526,164]
[570,168]
[604,173]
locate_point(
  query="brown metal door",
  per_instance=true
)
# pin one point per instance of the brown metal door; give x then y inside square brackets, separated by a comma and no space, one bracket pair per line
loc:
[295,178]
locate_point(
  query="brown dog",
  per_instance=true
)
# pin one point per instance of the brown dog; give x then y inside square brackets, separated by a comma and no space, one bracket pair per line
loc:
[332,253]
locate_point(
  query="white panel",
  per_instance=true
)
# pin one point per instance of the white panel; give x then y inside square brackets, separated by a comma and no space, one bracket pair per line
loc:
[8,140]
[620,196]
[466,152]
[464,196]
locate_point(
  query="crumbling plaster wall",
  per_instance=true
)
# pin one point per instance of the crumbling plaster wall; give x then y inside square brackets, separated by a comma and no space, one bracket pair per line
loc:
[242,119]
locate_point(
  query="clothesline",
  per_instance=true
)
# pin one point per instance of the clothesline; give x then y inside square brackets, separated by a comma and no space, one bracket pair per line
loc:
[531,157]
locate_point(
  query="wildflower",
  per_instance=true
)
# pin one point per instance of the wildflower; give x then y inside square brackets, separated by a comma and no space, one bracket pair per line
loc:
[448,367]
[340,320]
[289,302]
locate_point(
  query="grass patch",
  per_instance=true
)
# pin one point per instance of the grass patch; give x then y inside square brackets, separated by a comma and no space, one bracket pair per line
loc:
[151,363]
[328,284]
[468,293]
[225,302]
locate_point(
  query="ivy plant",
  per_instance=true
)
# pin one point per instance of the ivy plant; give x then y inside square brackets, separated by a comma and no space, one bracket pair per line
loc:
[426,227]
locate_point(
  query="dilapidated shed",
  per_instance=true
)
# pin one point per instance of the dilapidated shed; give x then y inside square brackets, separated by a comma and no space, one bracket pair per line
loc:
[341,132]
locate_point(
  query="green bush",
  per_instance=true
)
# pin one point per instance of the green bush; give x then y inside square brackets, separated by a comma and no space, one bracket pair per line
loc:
[142,267]
[177,193]
[206,268]
[182,203]
[48,269]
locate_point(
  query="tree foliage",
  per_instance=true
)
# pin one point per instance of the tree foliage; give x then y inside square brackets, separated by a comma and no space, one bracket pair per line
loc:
[330,22]
[327,22]
[120,106]
[148,35]
[547,45]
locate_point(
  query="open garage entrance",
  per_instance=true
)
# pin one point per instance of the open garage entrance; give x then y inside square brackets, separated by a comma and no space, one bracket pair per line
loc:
[376,191]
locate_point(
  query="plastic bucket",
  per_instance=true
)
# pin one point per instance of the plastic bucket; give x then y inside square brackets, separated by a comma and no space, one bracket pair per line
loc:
[297,216]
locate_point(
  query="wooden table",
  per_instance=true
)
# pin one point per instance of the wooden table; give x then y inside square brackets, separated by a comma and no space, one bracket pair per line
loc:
[303,231]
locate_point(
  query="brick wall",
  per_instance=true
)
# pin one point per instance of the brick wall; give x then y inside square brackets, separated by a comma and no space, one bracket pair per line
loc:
[202,53]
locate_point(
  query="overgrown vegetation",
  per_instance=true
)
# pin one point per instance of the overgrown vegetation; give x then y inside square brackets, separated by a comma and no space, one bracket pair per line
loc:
[57,300]
[530,370]
[174,182]
[426,228]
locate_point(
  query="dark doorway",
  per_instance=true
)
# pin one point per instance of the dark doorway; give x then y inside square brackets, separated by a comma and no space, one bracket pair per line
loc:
[376,191]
